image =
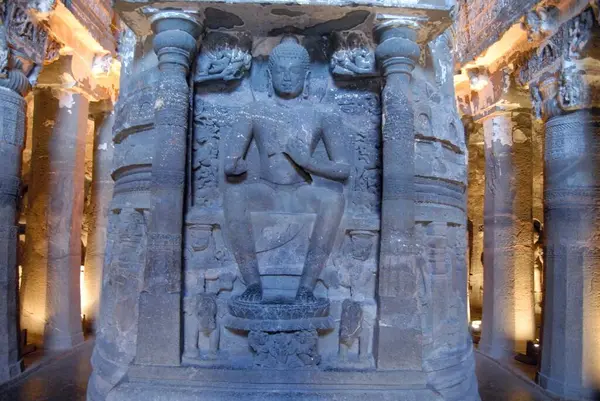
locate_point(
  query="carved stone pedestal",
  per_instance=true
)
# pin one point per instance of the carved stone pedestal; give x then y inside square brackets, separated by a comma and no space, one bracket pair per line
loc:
[282,335]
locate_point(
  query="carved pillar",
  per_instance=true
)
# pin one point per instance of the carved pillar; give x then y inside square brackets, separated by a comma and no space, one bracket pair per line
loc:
[475,214]
[564,85]
[159,338]
[570,346]
[570,333]
[399,344]
[102,188]
[508,305]
[13,86]
[50,290]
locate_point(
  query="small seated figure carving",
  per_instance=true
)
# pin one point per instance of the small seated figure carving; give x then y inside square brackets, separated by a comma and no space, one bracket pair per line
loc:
[286,129]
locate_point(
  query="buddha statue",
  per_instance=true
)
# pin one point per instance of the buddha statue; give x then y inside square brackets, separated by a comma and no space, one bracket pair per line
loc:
[286,129]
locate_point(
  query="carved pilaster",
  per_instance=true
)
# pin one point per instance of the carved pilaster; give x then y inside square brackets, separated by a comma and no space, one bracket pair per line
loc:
[175,39]
[398,53]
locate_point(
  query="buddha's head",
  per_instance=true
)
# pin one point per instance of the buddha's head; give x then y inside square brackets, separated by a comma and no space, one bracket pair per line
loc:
[288,63]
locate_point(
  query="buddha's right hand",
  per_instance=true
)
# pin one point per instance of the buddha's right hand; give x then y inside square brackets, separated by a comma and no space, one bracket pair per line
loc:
[235,166]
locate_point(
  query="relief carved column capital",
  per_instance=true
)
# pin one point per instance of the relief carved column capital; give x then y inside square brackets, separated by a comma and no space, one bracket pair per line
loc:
[176,34]
[16,80]
[12,75]
[544,97]
[398,51]
[563,73]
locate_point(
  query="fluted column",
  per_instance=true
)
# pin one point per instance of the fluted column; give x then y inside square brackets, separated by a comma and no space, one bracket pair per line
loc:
[13,86]
[159,337]
[399,344]
[102,189]
[50,288]
[508,304]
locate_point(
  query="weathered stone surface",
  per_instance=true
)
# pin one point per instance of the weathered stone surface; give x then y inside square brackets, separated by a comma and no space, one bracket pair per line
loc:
[317,17]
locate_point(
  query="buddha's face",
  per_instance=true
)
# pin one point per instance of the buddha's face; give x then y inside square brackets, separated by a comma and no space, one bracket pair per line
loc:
[288,75]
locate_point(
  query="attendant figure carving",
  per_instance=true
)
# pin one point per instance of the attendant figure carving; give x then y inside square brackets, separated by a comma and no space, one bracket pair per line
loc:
[286,129]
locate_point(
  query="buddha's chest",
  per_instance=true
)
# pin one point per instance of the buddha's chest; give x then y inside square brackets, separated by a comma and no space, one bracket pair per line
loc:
[276,129]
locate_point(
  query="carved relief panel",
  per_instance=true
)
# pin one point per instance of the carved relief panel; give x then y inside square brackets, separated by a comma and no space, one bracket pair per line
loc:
[283,223]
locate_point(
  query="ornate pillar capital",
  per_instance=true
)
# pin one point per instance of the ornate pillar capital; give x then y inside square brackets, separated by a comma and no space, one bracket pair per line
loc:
[563,74]
[398,51]
[12,75]
[16,80]
[176,34]
[544,96]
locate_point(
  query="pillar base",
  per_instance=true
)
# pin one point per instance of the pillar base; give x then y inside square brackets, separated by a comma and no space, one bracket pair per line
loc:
[63,342]
[155,383]
[496,353]
[564,391]
[10,371]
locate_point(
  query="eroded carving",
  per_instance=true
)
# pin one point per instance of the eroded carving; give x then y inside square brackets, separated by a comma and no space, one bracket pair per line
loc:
[224,57]
[23,33]
[350,326]
[353,55]
[284,350]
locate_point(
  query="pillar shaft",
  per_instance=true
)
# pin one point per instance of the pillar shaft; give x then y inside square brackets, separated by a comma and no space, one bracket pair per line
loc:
[159,337]
[508,305]
[102,189]
[399,344]
[570,348]
[51,303]
[475,209]
[12,133]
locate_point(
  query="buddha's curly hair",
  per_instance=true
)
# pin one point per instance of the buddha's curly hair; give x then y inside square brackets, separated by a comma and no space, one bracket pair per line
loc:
[289,48]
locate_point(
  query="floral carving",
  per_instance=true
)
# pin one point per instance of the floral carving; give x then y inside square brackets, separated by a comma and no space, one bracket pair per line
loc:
[285,349]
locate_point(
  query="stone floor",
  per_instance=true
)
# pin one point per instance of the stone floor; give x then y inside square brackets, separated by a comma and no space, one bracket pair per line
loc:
[64,378]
